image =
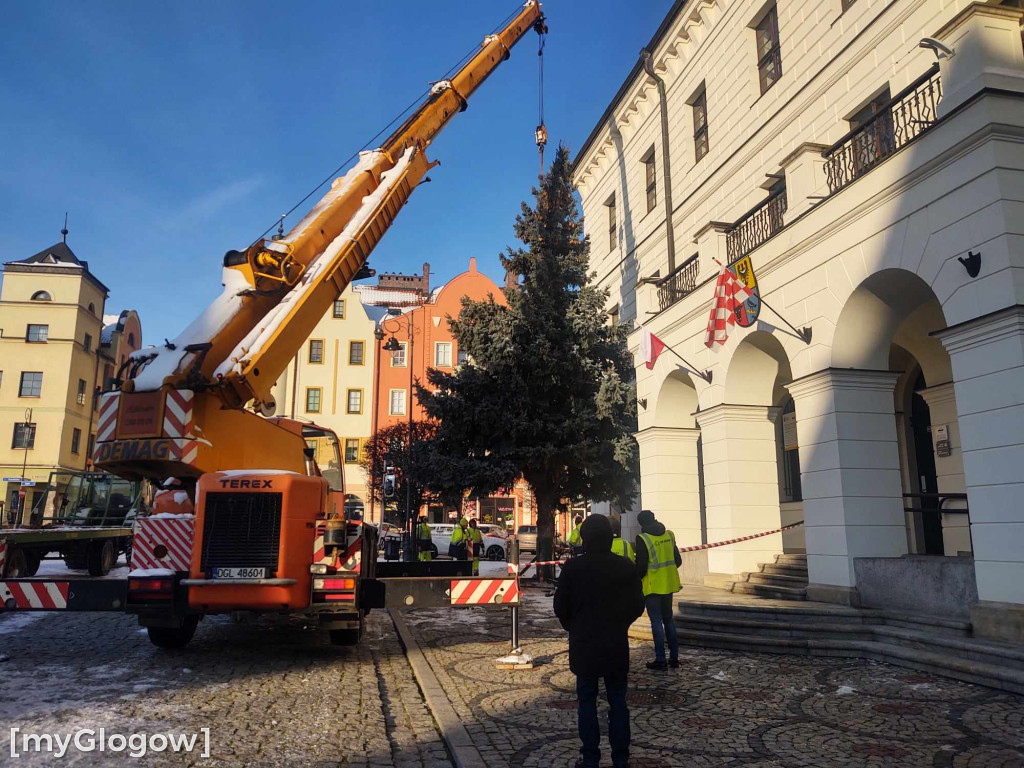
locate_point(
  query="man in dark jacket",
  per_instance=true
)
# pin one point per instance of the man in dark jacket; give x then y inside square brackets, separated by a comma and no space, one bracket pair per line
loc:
[598,597]
[657,564]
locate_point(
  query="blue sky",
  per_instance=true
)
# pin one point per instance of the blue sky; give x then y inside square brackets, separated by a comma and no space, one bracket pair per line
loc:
[172,132]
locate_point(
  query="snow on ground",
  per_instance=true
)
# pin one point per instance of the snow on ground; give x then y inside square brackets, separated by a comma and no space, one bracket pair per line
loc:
[55,569]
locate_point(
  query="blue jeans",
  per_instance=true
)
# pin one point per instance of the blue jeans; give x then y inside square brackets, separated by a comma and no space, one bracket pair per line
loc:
[618,719]
[659,611]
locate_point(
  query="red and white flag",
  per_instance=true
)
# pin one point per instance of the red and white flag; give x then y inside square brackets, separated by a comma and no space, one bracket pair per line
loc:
[730,293]
[650,347]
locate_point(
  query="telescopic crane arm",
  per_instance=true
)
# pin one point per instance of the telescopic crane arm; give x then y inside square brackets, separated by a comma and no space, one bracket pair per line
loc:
[277,290]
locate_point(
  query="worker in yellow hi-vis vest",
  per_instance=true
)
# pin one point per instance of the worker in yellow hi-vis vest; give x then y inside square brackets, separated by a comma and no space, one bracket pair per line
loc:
[657,562]
[458,548]
[476,544]
[423,536]
[620,546]
[575,541]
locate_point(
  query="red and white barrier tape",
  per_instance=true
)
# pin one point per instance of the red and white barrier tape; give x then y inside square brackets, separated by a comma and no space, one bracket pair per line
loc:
[698,547]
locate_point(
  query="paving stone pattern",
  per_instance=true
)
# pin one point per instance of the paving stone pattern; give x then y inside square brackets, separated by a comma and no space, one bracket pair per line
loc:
[271,695]
[719,709]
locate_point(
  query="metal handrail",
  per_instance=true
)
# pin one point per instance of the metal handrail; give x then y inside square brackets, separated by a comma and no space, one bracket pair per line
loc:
[680,282]
[756,226]
[942,498]
[897,123]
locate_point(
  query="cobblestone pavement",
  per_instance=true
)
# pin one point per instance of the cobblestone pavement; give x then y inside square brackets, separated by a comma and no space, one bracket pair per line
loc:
[719,709]
[270,695]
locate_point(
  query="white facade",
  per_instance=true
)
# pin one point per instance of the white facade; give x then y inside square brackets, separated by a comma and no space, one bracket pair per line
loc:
[861,242]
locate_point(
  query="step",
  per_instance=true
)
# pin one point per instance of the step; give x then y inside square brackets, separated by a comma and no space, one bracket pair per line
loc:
[783,570]
[720,581]
[774,579]
[944,664]
[797,560]
[772,592]
[976,650]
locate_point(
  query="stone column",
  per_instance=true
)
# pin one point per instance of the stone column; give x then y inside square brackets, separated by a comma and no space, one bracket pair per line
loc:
[741,484]
[850,475]
[805,179]
[987,53]
[711,246]
[988,372]
[949,469]
[669,482]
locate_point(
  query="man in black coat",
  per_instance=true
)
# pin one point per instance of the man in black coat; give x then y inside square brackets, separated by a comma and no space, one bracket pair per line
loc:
[598,597]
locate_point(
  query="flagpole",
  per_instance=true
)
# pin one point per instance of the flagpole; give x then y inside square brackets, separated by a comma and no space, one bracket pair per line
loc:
[693,369]
[804,334]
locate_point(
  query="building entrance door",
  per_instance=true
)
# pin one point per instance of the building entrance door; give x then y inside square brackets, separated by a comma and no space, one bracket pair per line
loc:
[927,478]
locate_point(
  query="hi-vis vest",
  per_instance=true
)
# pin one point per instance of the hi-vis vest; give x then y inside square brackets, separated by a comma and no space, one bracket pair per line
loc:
[623,548]
[423,532]
[661,578]
[575,538]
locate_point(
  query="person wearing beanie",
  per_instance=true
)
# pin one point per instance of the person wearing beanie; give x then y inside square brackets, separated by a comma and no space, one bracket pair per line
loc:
[657,563]
[599,596]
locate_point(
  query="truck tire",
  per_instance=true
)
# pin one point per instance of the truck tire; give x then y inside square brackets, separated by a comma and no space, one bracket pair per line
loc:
[173,638]
[33,558]
[17,564]
[100,557]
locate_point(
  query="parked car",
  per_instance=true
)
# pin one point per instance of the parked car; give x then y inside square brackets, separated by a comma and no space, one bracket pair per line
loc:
[527,535]
[498,531]
[441,537]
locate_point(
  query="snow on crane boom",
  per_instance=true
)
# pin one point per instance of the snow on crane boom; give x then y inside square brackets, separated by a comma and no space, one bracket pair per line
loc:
[182,408]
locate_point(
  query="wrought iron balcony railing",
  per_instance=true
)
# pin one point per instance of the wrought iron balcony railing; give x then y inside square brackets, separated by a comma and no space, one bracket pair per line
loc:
[902,119]
[756,226]
[678,283]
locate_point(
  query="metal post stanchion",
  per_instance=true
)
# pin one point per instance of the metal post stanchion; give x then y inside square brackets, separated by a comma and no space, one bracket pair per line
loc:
[516,659]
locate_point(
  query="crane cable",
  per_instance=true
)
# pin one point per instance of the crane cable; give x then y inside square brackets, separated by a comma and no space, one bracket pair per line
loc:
[541,134]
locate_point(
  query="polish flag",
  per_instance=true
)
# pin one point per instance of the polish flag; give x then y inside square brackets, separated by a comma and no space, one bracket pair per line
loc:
[650,347]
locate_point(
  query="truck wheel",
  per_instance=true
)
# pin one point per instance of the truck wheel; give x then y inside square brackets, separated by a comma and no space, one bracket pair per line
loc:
[174,637]
[100,557]
[346,636]
[17,564]
[495,552]
[32,560]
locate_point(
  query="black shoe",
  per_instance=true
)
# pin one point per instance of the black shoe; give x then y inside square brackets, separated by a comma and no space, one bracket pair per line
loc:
[659,665]
[674,663]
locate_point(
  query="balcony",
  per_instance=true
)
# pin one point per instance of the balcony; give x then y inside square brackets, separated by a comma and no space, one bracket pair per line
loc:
[678,283]
[757,226]
[897,123]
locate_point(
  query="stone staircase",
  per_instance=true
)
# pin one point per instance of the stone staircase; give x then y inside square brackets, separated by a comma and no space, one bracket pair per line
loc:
[708,618]
[785,579]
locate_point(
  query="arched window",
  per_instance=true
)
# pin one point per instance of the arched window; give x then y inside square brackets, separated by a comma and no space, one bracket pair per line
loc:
[789,455]
[131,340]
[41,296]
[92,308]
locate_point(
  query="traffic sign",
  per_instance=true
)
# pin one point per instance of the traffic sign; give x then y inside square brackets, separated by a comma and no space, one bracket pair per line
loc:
[27,483]
[13,479]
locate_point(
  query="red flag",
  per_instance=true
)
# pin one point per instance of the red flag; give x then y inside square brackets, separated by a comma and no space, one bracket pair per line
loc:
[730,293]
[650,347]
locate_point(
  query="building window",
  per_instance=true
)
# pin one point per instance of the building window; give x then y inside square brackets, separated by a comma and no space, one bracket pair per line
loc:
[354,401]
[31,384]
[769,54]
[37,333]
[877,139]
[316,351]
[789,454]
[41,296]
[613,224]
[313,399]
[443,354]
[24,435]
[463,357]
[80,394]
[339,309]
[131,341]
[700,124]
[76,440]
[398,356]
[397,402]
[92,308]
[650,180]
[355,352]
[351,450]
[87,343]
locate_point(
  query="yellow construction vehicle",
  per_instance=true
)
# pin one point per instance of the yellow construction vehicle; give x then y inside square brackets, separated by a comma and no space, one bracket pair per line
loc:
[265,535]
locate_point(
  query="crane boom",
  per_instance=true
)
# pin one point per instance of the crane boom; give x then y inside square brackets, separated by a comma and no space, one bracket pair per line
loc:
[275,292]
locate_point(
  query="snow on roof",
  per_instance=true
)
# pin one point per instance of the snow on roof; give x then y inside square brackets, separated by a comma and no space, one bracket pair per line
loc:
[372,295]
[107,334]
[111,319]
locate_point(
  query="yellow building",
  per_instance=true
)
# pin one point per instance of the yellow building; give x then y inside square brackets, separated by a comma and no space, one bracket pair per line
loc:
[330,382]
[55,353]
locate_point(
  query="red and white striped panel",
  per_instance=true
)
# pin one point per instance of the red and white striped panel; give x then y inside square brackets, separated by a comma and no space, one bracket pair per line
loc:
[3,556]
[38,595]
[107,423]
[185,450]
[352,560]
[175,534]
[178,413]
[485,591]
[319,550]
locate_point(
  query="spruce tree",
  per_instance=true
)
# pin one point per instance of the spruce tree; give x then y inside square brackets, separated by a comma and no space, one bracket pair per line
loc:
[548,393]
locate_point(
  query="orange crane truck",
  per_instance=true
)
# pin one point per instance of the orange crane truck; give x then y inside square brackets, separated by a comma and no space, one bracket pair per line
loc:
[266,535]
